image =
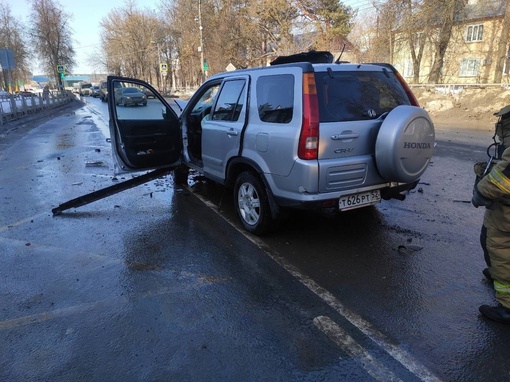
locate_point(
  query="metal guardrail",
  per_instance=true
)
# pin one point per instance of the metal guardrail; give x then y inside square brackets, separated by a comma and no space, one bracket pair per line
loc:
[16,106]
[457,88]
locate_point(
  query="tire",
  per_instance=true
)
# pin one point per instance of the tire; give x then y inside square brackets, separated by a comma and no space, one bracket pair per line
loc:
[181,175]
[251,204]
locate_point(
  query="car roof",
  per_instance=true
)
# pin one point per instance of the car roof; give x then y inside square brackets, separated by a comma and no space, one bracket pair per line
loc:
[312,61]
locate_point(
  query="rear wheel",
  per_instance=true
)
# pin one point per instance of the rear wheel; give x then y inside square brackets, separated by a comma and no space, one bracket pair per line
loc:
[251,203]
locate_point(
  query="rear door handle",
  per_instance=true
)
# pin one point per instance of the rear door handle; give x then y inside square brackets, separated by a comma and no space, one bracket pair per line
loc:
[232,132]
[341,137]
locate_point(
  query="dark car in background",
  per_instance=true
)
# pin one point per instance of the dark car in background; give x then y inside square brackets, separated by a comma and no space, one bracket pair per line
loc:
[149,93]
[103,92]
[95,91]
[127,96]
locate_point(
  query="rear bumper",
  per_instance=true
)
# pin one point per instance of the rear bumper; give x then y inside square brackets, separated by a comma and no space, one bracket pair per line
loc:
[328,202]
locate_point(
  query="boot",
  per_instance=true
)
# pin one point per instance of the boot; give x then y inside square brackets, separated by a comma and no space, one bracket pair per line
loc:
[496,313]
[487,274]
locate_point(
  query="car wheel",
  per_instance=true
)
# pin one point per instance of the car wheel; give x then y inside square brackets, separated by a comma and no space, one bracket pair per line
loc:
[144,104]
[251,203]
[124,102]
[405,144]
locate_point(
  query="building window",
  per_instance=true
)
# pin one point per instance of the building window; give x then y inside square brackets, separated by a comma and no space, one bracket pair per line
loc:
[469,67]
[474,33]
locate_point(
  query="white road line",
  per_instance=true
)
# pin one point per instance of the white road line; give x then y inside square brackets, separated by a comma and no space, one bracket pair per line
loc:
[400,355]
[20,222]
[340,337]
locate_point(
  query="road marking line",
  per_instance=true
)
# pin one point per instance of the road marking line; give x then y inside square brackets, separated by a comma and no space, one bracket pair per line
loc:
[400,355]
[340,337]
[20,222]
[48,315]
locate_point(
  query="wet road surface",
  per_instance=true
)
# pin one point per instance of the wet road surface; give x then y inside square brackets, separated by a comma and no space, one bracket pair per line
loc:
[153,284]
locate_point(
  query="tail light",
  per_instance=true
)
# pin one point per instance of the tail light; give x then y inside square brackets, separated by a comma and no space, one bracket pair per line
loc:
[309,137]
[410,95]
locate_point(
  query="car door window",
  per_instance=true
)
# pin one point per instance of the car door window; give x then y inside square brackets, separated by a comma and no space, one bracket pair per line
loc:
[205,102]
[230,101]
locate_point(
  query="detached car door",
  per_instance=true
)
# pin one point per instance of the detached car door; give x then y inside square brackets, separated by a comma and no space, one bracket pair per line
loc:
[145,133]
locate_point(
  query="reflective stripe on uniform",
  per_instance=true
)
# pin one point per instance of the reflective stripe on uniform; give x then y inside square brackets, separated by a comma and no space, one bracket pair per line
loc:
[501,288]
[500,180]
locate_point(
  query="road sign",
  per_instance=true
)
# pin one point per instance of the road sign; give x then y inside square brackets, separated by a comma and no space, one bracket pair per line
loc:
[60,68]
[7,59]
[206,65]
[163,67]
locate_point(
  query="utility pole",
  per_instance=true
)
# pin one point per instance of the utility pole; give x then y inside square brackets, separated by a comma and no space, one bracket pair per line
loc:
[158,65]
[201,48]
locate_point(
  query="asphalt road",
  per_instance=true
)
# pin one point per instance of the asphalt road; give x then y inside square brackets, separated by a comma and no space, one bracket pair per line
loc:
[160,283]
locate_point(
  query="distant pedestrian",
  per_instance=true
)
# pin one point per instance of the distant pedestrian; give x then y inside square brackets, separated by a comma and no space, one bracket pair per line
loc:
[493,192]
[46,92]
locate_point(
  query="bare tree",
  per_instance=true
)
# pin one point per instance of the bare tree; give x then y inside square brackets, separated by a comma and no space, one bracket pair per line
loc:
[132,42]
[274,21]
[332,21]
[51,35]
[12,37]
[239,32]
[183,16]
[382,42]
[444,15]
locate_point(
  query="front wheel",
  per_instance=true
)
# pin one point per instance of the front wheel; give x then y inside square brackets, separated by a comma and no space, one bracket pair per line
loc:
[251,203]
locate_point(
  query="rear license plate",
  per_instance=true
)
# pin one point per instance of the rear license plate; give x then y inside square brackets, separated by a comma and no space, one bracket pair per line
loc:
[358,200]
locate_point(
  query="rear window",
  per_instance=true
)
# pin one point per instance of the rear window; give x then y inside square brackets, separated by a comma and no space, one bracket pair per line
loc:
[275,98]
[353,96]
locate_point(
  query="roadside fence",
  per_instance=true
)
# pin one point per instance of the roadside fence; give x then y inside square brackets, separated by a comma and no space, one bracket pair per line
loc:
[15,106]
[458,88]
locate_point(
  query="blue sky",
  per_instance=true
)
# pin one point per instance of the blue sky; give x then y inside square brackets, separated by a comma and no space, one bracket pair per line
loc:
[86,16]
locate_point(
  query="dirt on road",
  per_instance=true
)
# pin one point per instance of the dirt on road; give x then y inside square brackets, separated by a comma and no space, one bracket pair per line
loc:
[471,108]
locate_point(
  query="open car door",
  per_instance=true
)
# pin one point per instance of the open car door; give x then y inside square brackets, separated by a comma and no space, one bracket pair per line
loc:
[145,133]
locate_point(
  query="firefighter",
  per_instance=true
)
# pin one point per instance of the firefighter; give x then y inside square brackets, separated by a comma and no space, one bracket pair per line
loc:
[493,192]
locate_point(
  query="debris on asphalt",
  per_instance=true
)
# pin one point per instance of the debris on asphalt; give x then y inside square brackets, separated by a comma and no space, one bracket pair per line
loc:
[98,163]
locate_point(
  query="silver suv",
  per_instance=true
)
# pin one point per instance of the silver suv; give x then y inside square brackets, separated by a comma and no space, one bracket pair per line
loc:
[301,133]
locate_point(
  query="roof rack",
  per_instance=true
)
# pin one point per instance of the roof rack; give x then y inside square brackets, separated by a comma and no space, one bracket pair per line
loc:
[313,56]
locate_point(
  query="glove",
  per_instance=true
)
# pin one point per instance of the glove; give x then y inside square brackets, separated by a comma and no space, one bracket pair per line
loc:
[479,200]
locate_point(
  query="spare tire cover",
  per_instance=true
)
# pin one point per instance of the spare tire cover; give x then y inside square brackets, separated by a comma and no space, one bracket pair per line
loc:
[405,144]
